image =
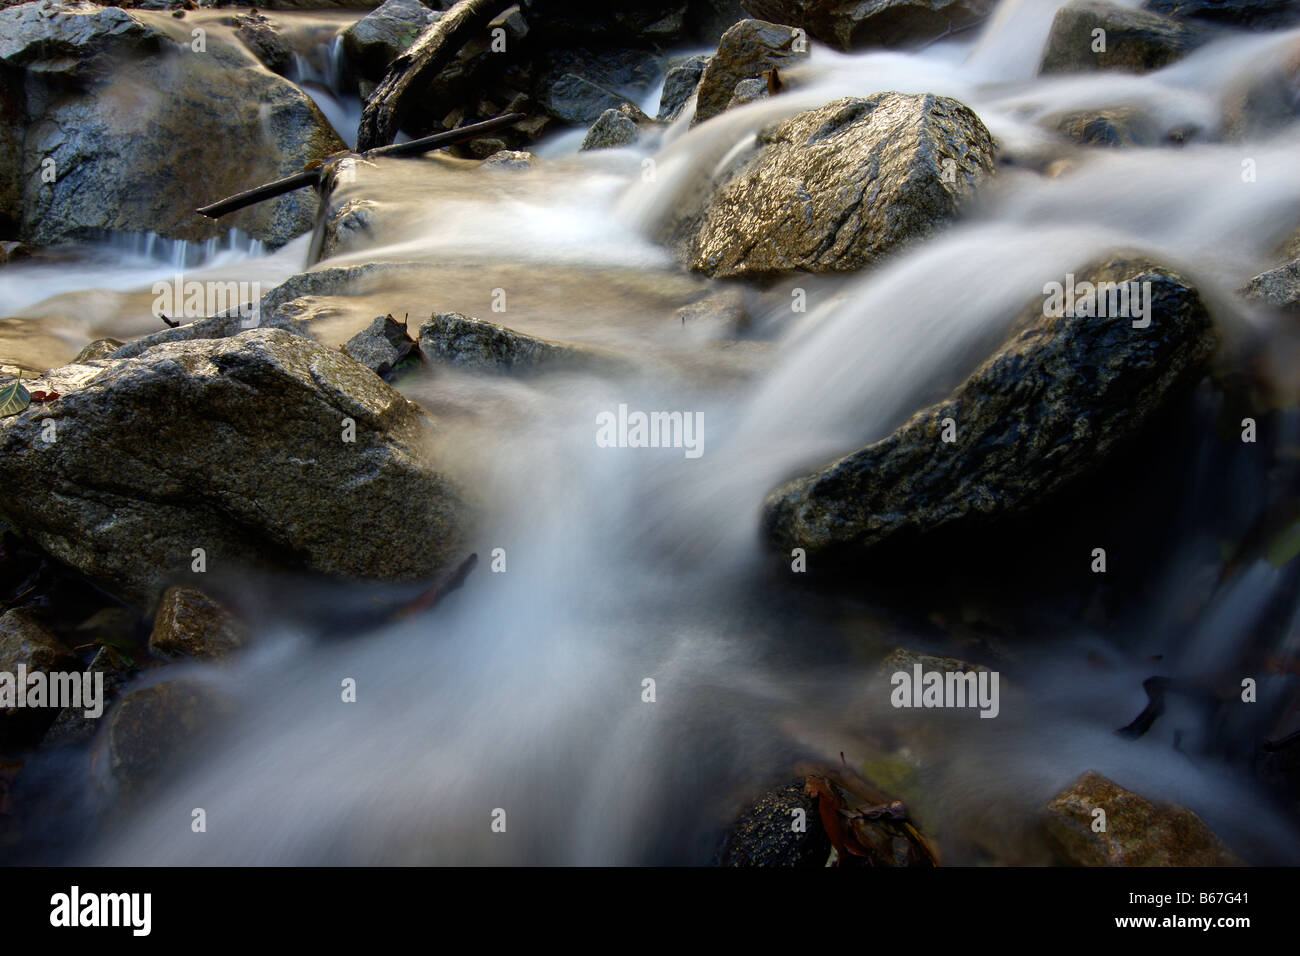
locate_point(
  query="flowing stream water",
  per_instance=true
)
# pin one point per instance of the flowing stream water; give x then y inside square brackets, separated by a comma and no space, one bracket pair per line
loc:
[523,690]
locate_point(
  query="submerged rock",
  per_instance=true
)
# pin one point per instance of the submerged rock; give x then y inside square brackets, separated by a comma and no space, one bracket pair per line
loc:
[1047,408]
[191,624]
[1136,41]
[1138,832]
[852,24]
[770,833]
[137,129]
[834,188]
[750,49]
[240,447]
[153,729]
[450,338]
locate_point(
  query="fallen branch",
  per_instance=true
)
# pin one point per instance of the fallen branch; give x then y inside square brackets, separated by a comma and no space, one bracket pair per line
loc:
[312,177]
[417,67]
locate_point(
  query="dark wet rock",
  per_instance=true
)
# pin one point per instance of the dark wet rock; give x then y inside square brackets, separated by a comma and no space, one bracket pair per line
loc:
[835,188]
[152,730]
[511,159]
[128,116]
[97,351]
[450,338]
[1136,41]
[680,84]
[644,22]
[378,38]
[348,227]
[615,128]
[852,24]
[191,624]
[265,41]
[1278,287]
[11,251]
[1119,126]
[750,49]
[1250,14]
[381,345]
[766,833]
[236,446]
[72,727]
[26,641]
[1059,397]
[576,99]
[1139,832]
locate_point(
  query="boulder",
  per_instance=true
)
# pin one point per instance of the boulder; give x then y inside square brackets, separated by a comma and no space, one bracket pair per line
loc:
[765,834]
[1248,14]
[450,338]
[852,24]
[576,99]
[381,345]
[191,624]
[834,188]
[680,83]
[382,35]
[137,129]
[239,447]
[1136,41]
[509,159]
[750,49]
[1046,409]
[1139,832]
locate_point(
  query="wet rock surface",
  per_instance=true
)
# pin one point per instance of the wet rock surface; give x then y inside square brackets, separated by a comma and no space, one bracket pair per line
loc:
[1138,832]
[125,125]
[835,188]
[1136,41]
[236,447]
[1046,409]
[750,49]
[191,624]
[770,833]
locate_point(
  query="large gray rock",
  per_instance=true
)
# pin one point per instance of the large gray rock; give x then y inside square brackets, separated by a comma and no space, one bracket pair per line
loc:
[382,35]
[1043,411]
[835,188]
[237,446]
[141,128]
[381,345]
[750,49]
[1139,832]
[266,41]
[1136,41]
[849,24]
